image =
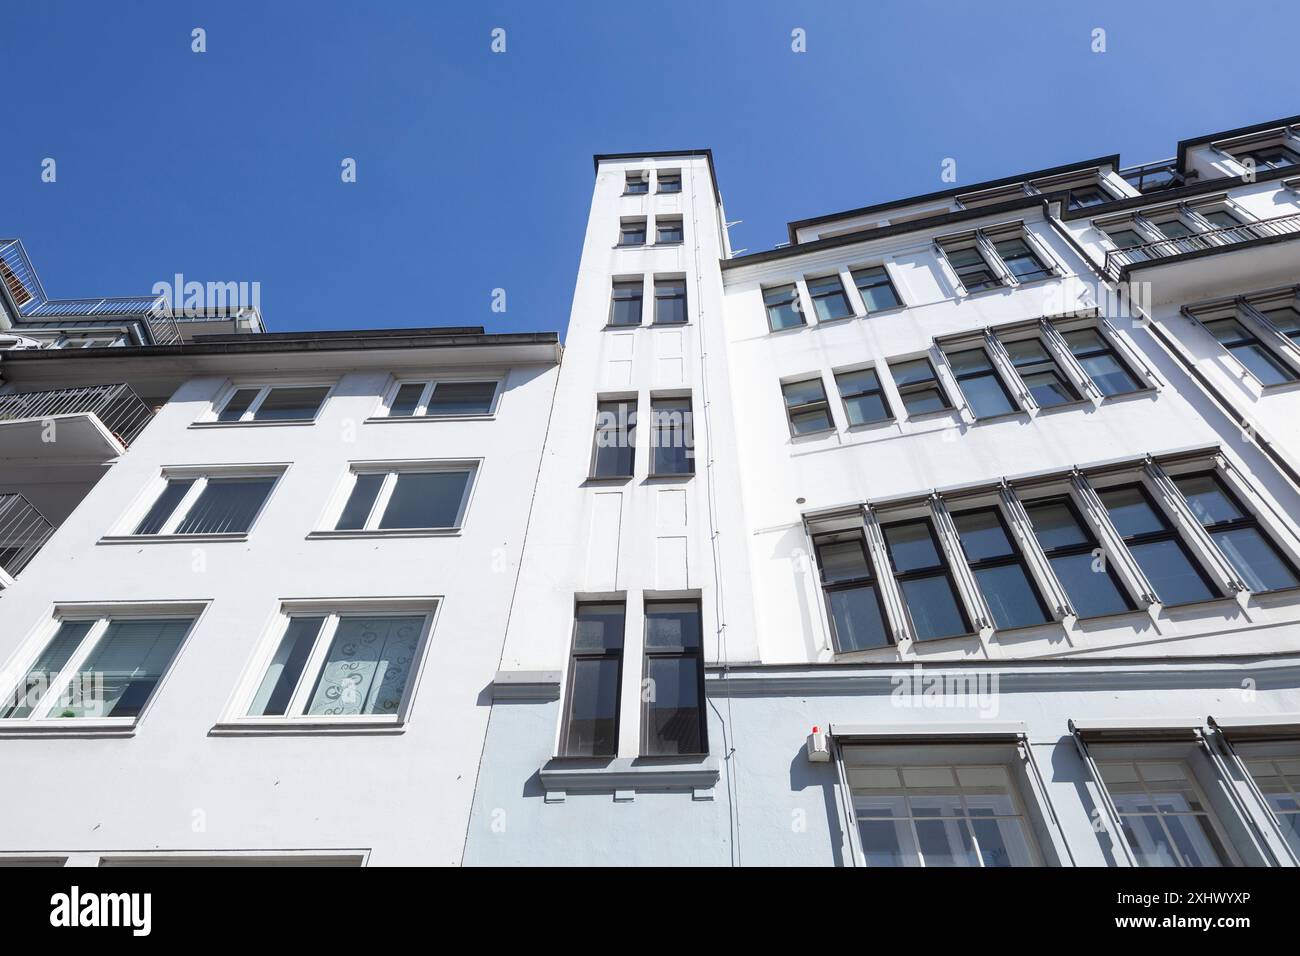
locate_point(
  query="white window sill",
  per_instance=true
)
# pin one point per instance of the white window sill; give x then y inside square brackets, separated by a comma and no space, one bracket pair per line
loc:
[275,424]
[170,538]
[387,533]
[69,727]
[697,774]
[393,419]
[308,726]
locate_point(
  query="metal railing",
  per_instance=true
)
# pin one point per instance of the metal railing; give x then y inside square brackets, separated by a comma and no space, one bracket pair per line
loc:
[23,532]
[1154,177]
[117,406]
[1117,260]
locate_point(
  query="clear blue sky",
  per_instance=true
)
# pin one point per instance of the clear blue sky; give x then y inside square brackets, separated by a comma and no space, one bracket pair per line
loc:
[474,168]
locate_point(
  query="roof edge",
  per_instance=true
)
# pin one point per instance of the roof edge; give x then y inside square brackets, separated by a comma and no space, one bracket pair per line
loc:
[598,158]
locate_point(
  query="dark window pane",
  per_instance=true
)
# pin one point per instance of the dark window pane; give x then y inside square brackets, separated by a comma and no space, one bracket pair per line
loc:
[672,625]
[1048,389]
[933,607]
[364,491]
[782,307]
[407,400]
[615,440]
[426,500]
[1010,596]
[39,678]
[238,404]
[911,546]
[120,675]
[929,400]
[290,404]
[1130,511]
[857,618]
[593,708]
[226,506]
[843,561]
[1020,260]
[1207,499]
[829,299]
[1091,589]
[805,423]
[1256,560]
[668,230]
[1171,572]
[282,674]
[462,398]
[1108,374]
[987,396]
[673,712]
[1286,318]
[162,508]
[877,291]
[913,372]
[982,536]
[598,627]
[863,409]
[1055,526]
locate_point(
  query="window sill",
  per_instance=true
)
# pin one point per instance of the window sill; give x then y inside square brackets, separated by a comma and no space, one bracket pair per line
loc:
[812,436]
[1194,606]
[386,533]
[277,424]
[630,325]
[1000,417]
[1148,392]
[935,415]
[345,726]
[561,775]
[70,727]
[1071,406]
[679,476]
[871,426]
[1277,387]
[631,245]
[393,419]
[169,538]
[608,479]
[788,328]
[890,311]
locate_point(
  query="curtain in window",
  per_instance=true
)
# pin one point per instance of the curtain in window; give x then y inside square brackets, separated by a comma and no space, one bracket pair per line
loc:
[368,666]
[226,506]
[122,671]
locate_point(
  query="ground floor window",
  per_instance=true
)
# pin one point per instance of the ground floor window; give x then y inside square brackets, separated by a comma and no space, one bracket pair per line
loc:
[1166,819]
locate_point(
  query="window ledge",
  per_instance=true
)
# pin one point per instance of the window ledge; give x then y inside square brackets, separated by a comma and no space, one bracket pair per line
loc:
[387,533]
[1275,597]
[69,727]
[1277,387]
[392,419]
[1194,606]
[611,774]
[889,311]
[937,414]
[1148,392]
[169,538]
[276,424]
[871,426]
[306,727]
[671,476]
[1071,406]
[609,479]
[1000,417]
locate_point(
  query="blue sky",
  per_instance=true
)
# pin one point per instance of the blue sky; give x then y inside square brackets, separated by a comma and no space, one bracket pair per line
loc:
[474,169]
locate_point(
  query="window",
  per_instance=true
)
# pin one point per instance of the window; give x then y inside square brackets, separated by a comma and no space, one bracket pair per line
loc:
[1249,351]
[451,399]
[97,667]
[1166,821]
[273,404]
[672,721]
[668,230]
[625,302]
[999,569]
[1156,547]
[1020,260]
[852,598]
[342,664]
[670,301]
[631,232]
[1040,373]
[939,816]
[1130,239]
[806,407]
[783,309]
[918,386]
[615,445]
[1261,565]
[1100,361]
[1086,196]
[637,183]
[670,182]
[413,497]
[980,383]
[878,292]
[1269,157]
[1285,318]
[1222,219]
[1175,228]
[672,437]
[973,272]
[924,580]
[1278,778]
[829,299]
[207,504]
[864,399]
[595,673]
[1086,576]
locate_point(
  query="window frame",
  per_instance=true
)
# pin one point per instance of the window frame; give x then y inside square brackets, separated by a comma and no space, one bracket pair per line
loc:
[942,569]
[1015,557]
[623,283]
[934,383]
[1090,546]
[672,296]
[670,175]
[829,294]
[1048,365]
[687,429]
[227,394]
[616,654]
[870,579]
[995,281]
[200,477]
[795,302]
[879,390]
[676,652]
[991,371]
[636,177]
[421,412]
[1275,359]
[803,408]
[295,719]
[392,470]
[670,222]
[627,225]
[1107,347]
[631,420]
[888,283]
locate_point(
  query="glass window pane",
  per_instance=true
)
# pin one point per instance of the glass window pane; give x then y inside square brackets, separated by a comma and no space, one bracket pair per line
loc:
[857,619]
[1010,596]
[1091,589]
[364,491]
[625,312]
[1055,525]
[1171,572]
[933,607]
[120,675]
[367,668]
[1207,499]
[1130,511]
[864,409]
[593,708]
[986,395]
[782,307]
[801,393]
[598,627]
[226,506]
[807,422]
[40,676]
[673,712]
[238,404]
[982,535]
[162,508]
[672,625]
[912,372]
[407,400]
[919,403]
[1048,389]
[911,546]
[843,561]
[426,500]
[277,687]
[290,404]
[1256,560]
[615,439]
[462,398]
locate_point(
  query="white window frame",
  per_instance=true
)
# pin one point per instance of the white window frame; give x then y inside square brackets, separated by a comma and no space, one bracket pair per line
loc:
[391,470]
[264,389]
[236,718]
[200,474]
[421,413]
[102,615]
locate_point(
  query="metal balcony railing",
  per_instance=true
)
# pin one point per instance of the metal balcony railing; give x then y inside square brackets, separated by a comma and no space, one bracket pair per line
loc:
[1117,260]
[23,532]
[1154,177]
[117,406]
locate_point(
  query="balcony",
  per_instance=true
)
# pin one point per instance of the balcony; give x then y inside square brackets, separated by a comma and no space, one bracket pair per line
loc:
[88,423]
[1252,254]
[1154,177]
[23,532]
